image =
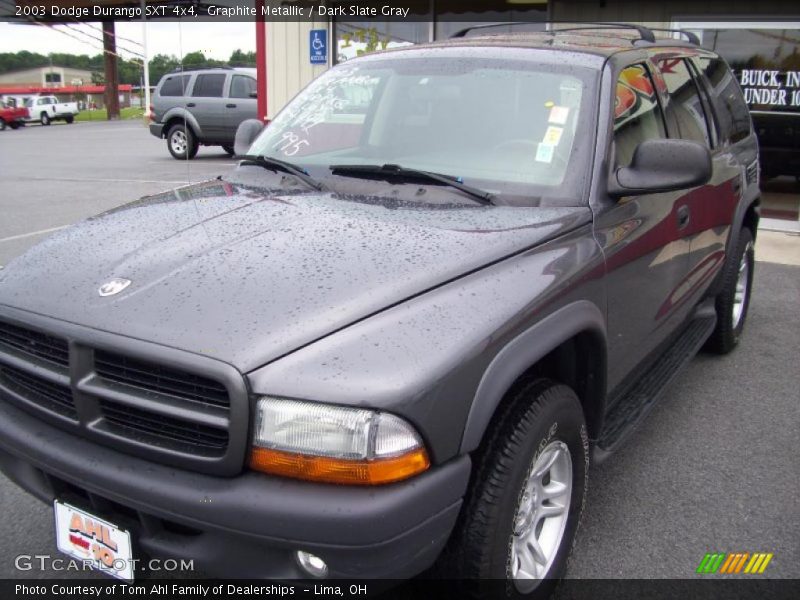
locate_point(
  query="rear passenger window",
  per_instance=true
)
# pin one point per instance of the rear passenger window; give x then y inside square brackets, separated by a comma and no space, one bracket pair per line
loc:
[637,113]
[686,105]
[209,86]
[731,110]
[174,86]
[242,86]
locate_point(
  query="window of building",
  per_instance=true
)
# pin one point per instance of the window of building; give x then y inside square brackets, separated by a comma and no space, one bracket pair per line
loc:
[242,86]
[209,85]
[52,77]
[174,86]
[430,20]
[685,104]
[637,113]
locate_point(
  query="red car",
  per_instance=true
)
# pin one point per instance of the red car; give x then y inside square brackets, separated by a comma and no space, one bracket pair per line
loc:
[12,117]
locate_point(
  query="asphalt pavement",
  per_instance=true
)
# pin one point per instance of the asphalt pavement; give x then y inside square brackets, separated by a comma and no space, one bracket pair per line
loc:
[713,468]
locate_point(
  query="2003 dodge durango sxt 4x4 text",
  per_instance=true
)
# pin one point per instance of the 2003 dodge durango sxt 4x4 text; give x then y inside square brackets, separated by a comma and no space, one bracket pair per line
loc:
[435,286]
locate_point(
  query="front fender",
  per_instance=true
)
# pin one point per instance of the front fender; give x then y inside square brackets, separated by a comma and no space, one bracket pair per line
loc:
[425,358]
[517,356]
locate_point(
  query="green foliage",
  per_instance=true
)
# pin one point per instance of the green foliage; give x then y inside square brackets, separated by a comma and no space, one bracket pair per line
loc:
[130,71]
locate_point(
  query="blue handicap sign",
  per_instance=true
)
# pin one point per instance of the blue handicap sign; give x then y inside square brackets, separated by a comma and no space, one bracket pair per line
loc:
[318,46]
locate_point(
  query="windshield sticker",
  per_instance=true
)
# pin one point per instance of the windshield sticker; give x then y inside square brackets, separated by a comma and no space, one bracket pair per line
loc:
[544,153]
[559,115]
[552,136]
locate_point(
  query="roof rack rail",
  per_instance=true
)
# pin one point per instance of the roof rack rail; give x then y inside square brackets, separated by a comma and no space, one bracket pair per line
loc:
[645,33]
[463,32]
[690,36]
[182,69]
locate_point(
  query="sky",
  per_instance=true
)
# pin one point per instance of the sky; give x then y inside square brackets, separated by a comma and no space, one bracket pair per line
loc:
[215,40]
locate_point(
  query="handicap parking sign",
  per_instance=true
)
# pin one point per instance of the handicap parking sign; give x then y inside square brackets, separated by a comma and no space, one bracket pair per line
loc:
[318,46]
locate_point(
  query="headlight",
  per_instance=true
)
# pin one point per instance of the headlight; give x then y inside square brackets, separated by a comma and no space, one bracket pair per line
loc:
[319,442]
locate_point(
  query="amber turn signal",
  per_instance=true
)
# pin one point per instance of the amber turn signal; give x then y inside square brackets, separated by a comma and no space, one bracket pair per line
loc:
[377,471]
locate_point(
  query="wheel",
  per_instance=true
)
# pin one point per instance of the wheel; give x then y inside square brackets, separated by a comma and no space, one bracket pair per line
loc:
[527,494]
[181,142]
[229,150]
[45,119]
[14,125]
[734,298]
[69,119]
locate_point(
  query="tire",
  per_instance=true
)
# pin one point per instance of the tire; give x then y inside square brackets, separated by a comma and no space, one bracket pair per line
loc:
[69,119]
[2,125]
[45,118]
[14,125]
[540,420]
[181,142]
[734,298]
[229,150]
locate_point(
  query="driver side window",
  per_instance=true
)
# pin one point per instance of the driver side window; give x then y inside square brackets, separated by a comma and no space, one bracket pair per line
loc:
[637,113]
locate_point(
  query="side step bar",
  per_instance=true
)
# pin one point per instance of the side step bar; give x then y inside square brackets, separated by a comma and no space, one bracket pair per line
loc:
[643,395]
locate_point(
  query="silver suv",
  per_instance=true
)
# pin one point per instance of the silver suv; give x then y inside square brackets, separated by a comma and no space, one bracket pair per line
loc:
[203,106]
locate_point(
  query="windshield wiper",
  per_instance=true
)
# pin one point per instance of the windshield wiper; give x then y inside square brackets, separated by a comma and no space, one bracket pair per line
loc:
[398,172]
[275,164]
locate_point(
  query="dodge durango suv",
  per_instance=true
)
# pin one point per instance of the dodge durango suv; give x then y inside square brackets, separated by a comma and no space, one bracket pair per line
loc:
[202,107]
[437,287]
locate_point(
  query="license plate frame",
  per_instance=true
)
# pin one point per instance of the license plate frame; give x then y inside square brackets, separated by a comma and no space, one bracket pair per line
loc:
[96,542]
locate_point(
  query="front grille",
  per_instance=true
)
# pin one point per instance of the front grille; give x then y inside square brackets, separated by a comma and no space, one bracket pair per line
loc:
[173,432]
[194,417]
[34,343]
[156,378]
[51,396]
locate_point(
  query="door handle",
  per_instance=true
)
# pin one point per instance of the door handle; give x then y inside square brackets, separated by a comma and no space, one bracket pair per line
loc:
[683,216]
[230,106]
[190,104]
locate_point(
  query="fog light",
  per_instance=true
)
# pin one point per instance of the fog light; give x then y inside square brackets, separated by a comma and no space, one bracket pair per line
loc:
[313,565]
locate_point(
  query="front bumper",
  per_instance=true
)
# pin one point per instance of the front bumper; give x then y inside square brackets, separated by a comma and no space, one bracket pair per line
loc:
[157,129]
[244,526]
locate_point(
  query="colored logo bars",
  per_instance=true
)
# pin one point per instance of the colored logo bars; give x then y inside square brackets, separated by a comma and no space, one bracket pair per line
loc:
[734,563]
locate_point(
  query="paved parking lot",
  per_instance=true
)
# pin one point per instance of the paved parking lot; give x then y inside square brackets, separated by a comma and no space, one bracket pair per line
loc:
[713,469]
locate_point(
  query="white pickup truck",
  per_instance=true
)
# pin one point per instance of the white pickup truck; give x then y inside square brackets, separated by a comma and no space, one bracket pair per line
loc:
[46,109]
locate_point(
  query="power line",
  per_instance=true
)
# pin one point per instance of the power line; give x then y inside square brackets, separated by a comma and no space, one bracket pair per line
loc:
[123,48]
[93,26]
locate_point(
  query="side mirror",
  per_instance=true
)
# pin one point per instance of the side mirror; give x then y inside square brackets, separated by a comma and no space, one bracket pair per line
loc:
[246,134]
[662,166]
[253,94]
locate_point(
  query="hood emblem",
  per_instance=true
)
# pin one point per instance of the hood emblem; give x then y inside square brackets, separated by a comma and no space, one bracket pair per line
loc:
[115,286]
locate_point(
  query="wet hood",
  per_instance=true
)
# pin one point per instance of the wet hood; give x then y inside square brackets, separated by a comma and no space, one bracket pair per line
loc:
[246,276]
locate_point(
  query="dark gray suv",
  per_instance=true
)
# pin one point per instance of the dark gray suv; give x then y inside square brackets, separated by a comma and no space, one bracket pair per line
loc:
[442,282]
[202,107]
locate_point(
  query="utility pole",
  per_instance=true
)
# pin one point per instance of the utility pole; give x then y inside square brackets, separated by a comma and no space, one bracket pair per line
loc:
[112,76]
[145,60]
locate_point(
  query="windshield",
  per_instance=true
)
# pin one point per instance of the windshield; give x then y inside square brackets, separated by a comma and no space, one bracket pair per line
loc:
[508,126]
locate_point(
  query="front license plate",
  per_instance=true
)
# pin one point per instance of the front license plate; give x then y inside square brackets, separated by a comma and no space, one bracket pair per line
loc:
[94,541]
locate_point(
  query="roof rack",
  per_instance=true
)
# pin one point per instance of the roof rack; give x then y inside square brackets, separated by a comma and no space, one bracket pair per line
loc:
[182,69]
[690,37]
[463,32]
[645,33]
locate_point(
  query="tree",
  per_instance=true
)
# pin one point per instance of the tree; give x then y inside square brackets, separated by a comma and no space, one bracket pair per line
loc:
[242,59]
